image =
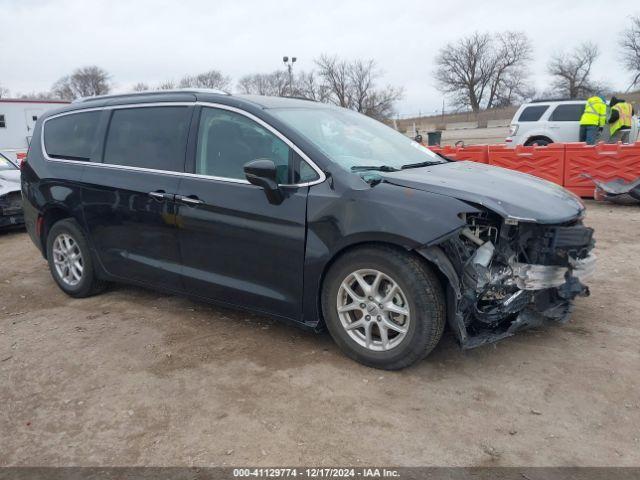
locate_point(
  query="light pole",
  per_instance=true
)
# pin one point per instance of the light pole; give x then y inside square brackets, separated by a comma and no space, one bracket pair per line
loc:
[289,65]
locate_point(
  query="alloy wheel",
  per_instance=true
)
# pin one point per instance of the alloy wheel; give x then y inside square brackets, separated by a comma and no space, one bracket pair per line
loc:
[373,309]
[67,259]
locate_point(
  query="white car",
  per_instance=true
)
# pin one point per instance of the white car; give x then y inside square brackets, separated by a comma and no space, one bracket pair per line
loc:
[543,122]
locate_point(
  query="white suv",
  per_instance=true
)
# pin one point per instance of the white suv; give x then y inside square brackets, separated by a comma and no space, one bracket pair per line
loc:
[543,122]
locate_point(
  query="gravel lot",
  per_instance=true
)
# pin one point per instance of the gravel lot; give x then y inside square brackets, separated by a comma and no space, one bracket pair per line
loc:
[133,377]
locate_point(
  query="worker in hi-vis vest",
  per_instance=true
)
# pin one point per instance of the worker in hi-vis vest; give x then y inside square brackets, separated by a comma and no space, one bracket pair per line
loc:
[593,119]
[620,120]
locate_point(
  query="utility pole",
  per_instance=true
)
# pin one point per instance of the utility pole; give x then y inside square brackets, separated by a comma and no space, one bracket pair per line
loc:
[290,69]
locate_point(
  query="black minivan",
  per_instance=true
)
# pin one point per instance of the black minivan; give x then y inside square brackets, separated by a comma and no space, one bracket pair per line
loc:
[303,211]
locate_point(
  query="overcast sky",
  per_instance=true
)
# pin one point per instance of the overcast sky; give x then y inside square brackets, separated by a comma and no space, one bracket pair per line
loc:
[155,40]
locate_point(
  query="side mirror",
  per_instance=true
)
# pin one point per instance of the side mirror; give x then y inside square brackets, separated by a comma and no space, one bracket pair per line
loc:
[263,173]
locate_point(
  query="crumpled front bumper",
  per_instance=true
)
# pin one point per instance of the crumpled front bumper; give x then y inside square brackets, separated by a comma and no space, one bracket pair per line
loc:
[540,277]
[491,296]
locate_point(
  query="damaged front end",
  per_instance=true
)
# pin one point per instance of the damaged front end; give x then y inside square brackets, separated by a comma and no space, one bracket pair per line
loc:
[507,275]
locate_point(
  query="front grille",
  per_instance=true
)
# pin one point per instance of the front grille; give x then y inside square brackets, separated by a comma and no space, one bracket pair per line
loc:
[555,244]
[11,203]
[576,236]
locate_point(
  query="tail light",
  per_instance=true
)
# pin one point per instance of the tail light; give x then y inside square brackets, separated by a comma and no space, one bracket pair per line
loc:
[39,225]
[22,159]
[513,129]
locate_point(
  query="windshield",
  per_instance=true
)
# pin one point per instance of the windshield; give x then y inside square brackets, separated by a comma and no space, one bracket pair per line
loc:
[354,140]
[6,164]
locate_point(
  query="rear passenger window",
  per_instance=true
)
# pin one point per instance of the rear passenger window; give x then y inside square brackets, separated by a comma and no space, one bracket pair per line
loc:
[567,113]
[533,113]
[148,137]
[72,136]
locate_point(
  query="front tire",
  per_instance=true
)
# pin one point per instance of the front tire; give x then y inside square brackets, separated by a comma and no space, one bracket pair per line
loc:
[383,307]
[70,260]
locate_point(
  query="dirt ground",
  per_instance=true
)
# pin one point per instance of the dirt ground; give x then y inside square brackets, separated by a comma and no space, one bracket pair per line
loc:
[133,377]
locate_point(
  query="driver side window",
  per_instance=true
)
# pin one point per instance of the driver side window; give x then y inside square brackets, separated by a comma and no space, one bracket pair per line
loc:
[228,140]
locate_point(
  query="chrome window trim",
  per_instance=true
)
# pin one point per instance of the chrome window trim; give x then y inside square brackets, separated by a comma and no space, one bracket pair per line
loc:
[321,175]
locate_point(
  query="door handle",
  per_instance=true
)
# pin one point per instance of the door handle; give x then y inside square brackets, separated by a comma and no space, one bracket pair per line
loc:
[191,200]
[160,195]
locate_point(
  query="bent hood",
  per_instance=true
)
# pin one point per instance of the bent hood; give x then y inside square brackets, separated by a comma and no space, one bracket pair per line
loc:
[509,193]
[9,181]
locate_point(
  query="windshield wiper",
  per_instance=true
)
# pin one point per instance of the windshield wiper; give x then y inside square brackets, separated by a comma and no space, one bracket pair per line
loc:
[379,168]
[421,164]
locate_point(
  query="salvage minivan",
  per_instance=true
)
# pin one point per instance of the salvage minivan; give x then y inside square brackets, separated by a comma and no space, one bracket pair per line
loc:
[302,211]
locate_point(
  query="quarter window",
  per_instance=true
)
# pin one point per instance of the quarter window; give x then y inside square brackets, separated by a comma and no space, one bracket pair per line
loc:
[567,113]
[533,113]
[3,124]
[148,137]
[228,140]
[72,137]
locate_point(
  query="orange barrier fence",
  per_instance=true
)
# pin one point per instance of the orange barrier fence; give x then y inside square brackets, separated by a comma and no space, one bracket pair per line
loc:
[563,164]
[544,162]
[474,153]
[602,162]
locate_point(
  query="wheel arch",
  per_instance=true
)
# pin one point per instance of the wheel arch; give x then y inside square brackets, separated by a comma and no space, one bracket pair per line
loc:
[395,244]
[50,217]
[533,138]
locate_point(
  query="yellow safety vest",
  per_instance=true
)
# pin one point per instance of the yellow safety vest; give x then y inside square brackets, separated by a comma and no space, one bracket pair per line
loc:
[624,120]
[595,112]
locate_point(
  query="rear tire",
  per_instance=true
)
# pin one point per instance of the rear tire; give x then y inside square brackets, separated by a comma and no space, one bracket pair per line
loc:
[386,326]
[70,260]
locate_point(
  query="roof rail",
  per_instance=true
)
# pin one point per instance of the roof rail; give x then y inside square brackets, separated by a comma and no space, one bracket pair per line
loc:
[299,97]
[147,92]
[541,100]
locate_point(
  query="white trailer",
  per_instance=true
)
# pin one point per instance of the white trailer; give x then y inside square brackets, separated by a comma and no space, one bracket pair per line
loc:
[17,119]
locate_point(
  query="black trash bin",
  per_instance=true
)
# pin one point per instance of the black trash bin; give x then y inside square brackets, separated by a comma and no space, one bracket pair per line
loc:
[434,138]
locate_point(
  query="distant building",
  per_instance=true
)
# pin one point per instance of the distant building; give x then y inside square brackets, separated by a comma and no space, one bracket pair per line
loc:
[18,118]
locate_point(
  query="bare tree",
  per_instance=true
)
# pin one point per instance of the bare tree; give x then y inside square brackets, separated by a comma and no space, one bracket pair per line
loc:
[509,82]
[352,84]
[274,84]
[83,82]
[62,89]
[335,75]
[36,96]
[140,87]
[572,71]
[379,104]
[210,79]
[482,70]
[308,85]
[167,85]
[349,84]
[4,92]
[630,43]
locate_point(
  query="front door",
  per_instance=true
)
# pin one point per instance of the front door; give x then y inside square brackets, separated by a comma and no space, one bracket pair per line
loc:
[129,199]
[237,247]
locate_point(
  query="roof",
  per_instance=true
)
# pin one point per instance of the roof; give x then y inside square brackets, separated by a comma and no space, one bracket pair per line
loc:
[251,103]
